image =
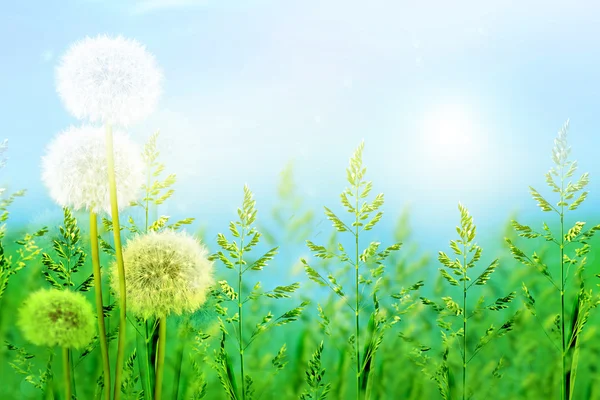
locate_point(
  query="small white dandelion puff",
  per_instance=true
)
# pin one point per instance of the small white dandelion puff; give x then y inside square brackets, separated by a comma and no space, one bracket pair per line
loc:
[165,272]
[109,79]
[74,169]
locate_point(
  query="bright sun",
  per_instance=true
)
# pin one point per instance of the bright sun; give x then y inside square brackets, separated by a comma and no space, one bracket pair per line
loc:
[450,144]
[449,133]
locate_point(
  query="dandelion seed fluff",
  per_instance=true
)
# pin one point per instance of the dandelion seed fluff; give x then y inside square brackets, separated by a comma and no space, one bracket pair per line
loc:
[74,169]
[52,317]
[165,272]
[109,79]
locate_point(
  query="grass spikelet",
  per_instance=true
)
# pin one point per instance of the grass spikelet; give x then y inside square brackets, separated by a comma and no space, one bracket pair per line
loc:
[366,214]
[234,256]
[573,246]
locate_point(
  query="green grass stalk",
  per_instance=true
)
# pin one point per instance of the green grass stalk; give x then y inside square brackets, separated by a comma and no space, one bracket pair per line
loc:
[565,390]
[178,368]
[241,316]
[99,303]
[464,354]
[357,304]
[160,359]
[120,265]
[67,373]
[143,366]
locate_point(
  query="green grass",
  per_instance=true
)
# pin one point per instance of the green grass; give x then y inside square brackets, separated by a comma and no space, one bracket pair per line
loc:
[369,321]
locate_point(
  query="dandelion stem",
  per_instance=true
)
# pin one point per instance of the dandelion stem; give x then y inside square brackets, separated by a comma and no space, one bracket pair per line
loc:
[99,303]
[120,265]
[160,359]
[151,344]
[67,372]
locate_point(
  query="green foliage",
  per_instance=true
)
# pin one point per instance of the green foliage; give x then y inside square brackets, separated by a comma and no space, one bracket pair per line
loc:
[234,256]
[290,215]
[456,272]
[70,257]
[27,252]
[23,364]
[157,190]
[571,194]
[130,379]
[366,215]
[317,388]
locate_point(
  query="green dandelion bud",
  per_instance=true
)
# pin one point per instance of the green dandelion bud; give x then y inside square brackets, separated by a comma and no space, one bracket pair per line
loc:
[165,272]
[51,317]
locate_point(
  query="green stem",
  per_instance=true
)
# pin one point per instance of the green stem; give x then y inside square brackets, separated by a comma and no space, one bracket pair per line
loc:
[99,303]
[151,342]
[71,366]
[564,391]
[357,313]
[142,365]
[160,359]
[241,315]
[67,373]
[464,396]
[178,365]
[120,265]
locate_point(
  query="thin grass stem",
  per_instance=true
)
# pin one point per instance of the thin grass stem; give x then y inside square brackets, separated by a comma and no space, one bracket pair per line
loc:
[241,315]
[357,309]
[178,367]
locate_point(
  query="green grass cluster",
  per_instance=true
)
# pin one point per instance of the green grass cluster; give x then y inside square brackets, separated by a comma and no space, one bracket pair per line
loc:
[367,313]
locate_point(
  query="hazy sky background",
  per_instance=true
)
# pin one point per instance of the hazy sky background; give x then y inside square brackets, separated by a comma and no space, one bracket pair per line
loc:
[456,101]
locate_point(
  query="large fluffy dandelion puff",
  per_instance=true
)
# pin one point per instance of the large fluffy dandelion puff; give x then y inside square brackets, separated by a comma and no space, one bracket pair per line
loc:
[165,272]
[109,79]
[74,169]
[52,317]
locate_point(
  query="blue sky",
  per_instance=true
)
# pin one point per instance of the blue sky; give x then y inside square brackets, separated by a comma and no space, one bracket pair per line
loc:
[456,102]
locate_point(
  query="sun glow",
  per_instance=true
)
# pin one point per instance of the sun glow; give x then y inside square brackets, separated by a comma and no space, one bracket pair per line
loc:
[450,143]
[449,133]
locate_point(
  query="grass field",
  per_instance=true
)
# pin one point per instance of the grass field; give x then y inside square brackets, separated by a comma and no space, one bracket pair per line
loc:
[514,320]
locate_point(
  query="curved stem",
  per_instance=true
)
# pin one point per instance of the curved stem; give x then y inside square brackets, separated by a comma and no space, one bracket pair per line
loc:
[67,373]
[99,303]
[160,359]
[114,207]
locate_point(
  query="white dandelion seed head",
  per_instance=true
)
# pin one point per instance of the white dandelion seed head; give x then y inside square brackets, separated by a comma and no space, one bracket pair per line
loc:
[165,272]
[75,169]
[109,79]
